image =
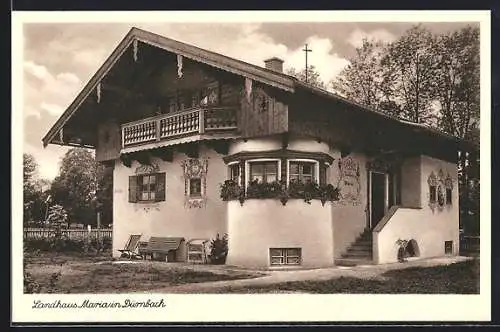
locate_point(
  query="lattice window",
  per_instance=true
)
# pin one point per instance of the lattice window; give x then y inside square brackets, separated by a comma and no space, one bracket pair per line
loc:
[195,187]
[432,182]
[195,182]
[147,188]
[264,172]
[235,173]
[448,247]
[285,256]
[301,171]
[448,183]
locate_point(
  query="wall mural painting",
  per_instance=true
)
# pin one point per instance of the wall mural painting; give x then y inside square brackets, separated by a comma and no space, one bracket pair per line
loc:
[440,191]
[379,164]
[147,169]
[349,182]
[194,172]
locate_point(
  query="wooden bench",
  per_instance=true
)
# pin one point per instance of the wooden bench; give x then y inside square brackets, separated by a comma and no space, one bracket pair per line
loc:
[161,247]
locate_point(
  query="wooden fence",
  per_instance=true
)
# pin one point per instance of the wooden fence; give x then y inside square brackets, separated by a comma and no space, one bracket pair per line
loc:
[469,245]
[40,233]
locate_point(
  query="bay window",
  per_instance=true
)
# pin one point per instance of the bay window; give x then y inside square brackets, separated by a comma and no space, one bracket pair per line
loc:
[263,171]
[302,171]
[305,171]
[235,173]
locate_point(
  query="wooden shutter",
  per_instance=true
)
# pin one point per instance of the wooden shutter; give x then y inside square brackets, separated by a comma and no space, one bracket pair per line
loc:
[132,189]
[160,187]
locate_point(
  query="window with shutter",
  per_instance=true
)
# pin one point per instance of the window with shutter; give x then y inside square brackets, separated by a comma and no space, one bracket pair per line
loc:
[147,188]
[132,189]
[160,186]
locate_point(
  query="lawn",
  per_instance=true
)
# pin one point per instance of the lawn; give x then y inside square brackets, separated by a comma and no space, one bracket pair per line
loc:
[457,278]
[79,273]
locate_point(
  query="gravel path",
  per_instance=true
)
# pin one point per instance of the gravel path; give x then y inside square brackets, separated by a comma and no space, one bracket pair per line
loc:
[276,276]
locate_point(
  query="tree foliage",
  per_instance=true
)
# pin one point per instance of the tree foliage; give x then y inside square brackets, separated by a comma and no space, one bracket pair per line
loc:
[361,80]
[33,195]
[425,78]
[83,187]
[421,77]
[456,82]
[313,77]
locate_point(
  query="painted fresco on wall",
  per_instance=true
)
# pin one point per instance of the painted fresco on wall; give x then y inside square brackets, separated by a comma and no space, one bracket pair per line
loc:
[349,183]
[195,182]
[147,169]
[440,191]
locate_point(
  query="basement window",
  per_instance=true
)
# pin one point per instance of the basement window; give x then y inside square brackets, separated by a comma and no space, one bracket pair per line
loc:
[285,256]
[448,247]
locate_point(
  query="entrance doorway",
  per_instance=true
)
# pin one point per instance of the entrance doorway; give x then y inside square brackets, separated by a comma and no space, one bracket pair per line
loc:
[378,197]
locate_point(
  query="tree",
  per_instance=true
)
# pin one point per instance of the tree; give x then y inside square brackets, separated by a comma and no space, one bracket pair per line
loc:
[425,78]
[29,189]
[457,83]
[84,187]
[408,69]
[313,77]
[104,195]
[75,186]
[361,80]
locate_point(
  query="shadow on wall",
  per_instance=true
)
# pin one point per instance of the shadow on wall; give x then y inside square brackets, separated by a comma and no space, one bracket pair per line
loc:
[407,249]
[412,249]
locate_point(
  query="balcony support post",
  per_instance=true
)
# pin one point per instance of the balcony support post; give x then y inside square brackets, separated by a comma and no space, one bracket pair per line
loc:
[158,133]
[201,122]
[123,137]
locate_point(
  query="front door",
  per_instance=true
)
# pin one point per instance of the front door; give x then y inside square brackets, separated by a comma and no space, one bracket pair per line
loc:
[378,204]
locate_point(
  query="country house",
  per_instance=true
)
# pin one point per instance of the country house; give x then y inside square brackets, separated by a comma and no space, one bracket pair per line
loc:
[202,143]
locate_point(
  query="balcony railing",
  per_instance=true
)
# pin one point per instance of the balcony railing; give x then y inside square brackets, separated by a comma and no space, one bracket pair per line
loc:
[165,126]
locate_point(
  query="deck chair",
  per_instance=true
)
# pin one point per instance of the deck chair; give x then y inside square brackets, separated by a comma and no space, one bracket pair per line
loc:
[131,246]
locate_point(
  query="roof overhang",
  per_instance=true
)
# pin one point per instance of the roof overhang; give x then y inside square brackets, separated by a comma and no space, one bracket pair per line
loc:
[194,53]
[415,127]
[259,74]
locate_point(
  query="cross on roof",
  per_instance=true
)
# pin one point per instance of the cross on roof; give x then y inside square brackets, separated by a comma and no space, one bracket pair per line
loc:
[306,50]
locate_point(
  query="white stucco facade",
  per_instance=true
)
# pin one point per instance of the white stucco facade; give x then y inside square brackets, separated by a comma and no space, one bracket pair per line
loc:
[430,226]
[169,218]
[349,215]
[322,232]
[261,224]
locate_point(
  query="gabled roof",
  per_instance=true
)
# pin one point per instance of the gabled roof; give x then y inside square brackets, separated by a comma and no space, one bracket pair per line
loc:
[220,61]
[238,67]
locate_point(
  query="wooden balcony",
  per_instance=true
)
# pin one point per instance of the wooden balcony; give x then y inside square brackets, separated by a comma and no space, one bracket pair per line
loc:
[189,122]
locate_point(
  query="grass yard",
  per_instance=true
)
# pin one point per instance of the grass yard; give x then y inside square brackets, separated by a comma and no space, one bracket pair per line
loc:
[59,273]
[80,273]
[457,278]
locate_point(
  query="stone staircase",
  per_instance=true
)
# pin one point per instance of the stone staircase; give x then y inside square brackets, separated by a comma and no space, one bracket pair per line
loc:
[359,252]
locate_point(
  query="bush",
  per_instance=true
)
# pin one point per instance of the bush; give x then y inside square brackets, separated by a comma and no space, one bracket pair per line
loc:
[230,190]
[30,286]
[53,244]
[218,250]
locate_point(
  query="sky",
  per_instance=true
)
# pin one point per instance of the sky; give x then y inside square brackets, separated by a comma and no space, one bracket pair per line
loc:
[60,58]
